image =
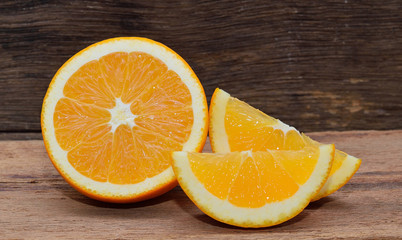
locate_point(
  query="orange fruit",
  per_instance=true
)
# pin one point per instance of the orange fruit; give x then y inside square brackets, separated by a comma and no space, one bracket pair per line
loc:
[114,112]
[253,189]
[237,126]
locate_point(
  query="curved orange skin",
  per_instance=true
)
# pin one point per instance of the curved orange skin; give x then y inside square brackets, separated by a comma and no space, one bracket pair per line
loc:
[145,195]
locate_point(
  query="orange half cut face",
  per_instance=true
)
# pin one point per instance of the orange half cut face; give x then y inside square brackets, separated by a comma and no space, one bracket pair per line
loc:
[114,113]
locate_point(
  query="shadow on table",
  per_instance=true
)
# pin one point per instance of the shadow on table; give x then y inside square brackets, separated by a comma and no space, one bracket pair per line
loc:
[320,203]
[78,197]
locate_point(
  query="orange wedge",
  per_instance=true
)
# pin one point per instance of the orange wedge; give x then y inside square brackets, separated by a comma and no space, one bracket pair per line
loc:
[253,189]
[237,126]
[114,112]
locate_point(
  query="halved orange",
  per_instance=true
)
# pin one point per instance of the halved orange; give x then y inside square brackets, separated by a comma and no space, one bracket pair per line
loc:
[253,189]
[114,112]
[237,126]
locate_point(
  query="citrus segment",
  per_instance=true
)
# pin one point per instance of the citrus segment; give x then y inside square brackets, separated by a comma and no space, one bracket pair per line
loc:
[303,167]
[75,122]
[114,112]
[92,159]
[253,189]
[293,140]
[237,126]
[246,190]
[166,109]
[143,73]
[126,165]
[88,85]
[154,150]
[273,176]
[215,171]
[114,70]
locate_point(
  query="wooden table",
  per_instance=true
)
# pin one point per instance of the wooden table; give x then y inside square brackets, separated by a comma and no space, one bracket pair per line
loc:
[36,203]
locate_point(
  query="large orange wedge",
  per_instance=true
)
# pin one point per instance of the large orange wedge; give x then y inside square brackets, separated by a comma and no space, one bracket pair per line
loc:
[253,189]
[114,112]
[237,126]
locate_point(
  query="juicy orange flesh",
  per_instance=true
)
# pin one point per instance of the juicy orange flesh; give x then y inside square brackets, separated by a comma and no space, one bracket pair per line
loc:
[249,129]
[300,166]
[89,164]
[76,123]
[216,172]
[252,179]
[158,98]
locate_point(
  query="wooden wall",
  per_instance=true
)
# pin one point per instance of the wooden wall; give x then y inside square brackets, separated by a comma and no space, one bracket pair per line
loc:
[317,65]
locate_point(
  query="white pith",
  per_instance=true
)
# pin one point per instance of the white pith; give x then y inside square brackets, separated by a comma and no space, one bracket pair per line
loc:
[121,113]
[267,215]
[217,123]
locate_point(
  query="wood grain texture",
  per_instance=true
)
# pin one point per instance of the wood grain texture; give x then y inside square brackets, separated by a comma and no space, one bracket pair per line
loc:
[6,136]
[36,203]
[317,65]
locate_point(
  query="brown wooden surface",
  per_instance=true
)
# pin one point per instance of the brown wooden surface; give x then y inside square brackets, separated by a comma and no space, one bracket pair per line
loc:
[317,65]
[36,203]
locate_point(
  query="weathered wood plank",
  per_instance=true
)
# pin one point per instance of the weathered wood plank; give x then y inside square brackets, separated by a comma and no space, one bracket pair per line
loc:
[317,65]
[7,136]
[35,202]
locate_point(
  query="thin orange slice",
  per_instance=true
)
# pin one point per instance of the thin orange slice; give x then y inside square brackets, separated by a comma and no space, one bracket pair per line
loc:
[237,126]
[114,112]
[253,189]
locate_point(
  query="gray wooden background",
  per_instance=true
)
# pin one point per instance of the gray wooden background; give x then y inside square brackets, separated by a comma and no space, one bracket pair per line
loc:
[317,65]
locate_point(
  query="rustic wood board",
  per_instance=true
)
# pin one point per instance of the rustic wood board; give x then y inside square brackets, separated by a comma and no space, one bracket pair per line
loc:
[332,64]
[36,203]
